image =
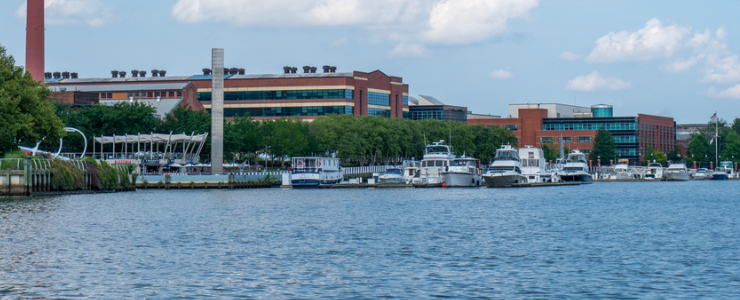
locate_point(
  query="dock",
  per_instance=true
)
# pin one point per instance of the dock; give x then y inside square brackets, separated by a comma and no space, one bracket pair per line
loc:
[521,185]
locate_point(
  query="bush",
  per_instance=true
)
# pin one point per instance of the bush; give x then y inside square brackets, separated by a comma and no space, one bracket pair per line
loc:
[65,175]
[104,177]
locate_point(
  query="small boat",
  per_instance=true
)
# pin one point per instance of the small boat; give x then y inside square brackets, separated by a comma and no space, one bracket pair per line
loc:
[436,159]
[677,172]
[391,176]
[463,171]
[719,174]
[312,171]
[701,174]
[575,169]
[534,165]
[506,169]
[654,171]
[621,172]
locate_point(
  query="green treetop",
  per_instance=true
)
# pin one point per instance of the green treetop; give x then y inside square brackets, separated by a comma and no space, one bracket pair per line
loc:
[604,146]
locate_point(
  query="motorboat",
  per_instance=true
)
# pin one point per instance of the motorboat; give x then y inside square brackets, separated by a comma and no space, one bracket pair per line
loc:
[463,171]
[437,158]
[676,172]
[575,168]
[654,171]
[391,176]
[701,174]
[411,171]
[312,171]
[621,172]
[506,169]
[723,171]
[719,174]
[534,165]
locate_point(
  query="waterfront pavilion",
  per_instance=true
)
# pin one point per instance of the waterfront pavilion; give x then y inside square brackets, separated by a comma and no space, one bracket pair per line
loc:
[152,153]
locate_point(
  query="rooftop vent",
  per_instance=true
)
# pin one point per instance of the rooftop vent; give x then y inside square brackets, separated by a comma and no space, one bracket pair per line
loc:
[226,71]
[293,70]
[47,75]
[241,71]
[155,72]
[313,69]
[57,75]
[122,74]
[234,71]
[142,73]
[326,68]
[162,73]
[114,73]
[134,73]
[286,70]
[65,75]
[73,74]
[333,69]
[306,69]
[206,71]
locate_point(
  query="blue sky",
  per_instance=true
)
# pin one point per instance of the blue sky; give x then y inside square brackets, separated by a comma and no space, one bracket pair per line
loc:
[672,58]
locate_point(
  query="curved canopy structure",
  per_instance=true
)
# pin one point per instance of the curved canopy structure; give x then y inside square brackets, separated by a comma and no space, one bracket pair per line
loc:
[152,138]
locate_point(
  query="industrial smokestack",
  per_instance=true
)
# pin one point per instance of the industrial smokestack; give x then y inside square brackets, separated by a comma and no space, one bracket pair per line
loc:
[35,39]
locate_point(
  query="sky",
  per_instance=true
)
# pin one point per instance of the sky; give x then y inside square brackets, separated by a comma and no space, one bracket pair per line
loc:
[672,58]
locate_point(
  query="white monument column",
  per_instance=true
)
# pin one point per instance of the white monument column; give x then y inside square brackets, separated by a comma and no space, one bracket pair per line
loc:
[217,111]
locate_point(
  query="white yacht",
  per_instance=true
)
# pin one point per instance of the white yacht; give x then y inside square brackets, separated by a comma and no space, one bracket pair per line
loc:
[621,172]
[575,168]
[724,171]
[701,174]
[654,171]
[436,159]
[534,165]
[506,168]
[391,176]
[412,171]
[463,171]
[312,171]
[676,172]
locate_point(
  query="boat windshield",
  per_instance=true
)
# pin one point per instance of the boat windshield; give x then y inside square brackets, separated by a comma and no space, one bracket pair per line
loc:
[572,169]
[500,169]
[507,155]
[576,157]
[437,149]
[393,171]
[462,163]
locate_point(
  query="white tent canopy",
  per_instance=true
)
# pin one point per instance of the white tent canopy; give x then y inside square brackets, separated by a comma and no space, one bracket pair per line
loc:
[152,138]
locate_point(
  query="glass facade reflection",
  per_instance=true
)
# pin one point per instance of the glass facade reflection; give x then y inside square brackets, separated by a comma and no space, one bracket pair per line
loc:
[378,99]
[287,111]
[379,112]
[281,95]
[438,112]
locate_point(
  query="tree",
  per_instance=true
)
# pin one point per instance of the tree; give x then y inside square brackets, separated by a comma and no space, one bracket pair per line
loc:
[731,148]
[25,115]
[604,146]
[550,152]
[660,156]
[699,148]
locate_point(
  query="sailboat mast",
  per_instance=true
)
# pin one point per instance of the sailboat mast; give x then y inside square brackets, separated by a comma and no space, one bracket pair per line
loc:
[716,143]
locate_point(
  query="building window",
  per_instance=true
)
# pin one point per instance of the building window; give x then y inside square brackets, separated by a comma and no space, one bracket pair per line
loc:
[546,140]
[625,139]
[136,94]
[157,94]
[110,95]
[149,94]
[584,139]
[130,94]
[565,139]
[179,93]
[511,127]
[281,95]
[405,100]
[102,95]
[378,99]
[378,112]
[286,111]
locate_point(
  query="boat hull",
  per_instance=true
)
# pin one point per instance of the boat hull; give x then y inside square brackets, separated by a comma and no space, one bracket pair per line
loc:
[677,176]
[503,180]
[391,180]
[460,179]
[582,178]
[719,177]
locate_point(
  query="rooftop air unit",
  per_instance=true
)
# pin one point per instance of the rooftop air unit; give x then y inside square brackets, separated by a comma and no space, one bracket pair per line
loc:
[142,73]
[134,73]
[326,68]
[206,71]
[57,75]
[241,71]
[155,72]
[286,70]
[73,74]
[114,73]
[122,74]
[313,69]
[293,70]
[162,73]
[233,71]
[47,75]
[306,69]
[333,69]
[65,75]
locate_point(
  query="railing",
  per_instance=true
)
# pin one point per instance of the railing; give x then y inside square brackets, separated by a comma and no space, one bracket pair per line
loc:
[367,169]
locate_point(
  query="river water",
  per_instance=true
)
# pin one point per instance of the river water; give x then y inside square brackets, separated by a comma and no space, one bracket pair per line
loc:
[605,240]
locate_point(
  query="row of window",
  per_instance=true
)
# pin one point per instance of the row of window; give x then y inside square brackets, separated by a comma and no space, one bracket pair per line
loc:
[565,139]
[627,152]
[589,126]
[511,127]
[378,112]
[405,100]
[281,95]
[378,99]
[624,139]
[287,111]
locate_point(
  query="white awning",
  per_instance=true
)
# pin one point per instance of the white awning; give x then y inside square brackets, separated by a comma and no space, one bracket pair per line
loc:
[152,138]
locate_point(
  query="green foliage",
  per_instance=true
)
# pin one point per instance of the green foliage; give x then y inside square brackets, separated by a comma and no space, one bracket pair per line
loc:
[551,153]
[699,148]
[104,176]
[25,115]
[660,156]
[604,146]
[66,176]
[731,147]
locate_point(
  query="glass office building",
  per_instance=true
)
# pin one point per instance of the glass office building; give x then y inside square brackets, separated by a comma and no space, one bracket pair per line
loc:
[602,110]
[447,113]
[624,130]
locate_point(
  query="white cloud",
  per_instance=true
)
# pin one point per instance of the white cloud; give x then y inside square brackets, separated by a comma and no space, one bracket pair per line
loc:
[70,12]
[339,42]
[404,21]
[731,93]
[569,56]
[723,70]
[679,66]
[501,74]
[404,49]
[654,40]
[594,81]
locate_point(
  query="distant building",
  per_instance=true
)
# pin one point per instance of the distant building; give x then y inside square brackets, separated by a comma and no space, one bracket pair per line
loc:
[74,98]
[576,128]
[428,107]
[684,132]
[262,96]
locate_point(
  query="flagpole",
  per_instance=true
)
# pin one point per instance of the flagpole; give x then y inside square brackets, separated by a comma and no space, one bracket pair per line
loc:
[716,144]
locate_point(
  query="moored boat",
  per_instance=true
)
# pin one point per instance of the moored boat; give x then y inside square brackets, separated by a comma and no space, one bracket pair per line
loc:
[701,174]
[575,169]
[391,176]
[506,169]
[436,159]
[312,171]
[654,171]
[534,166]
[677,172]
[462,171]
